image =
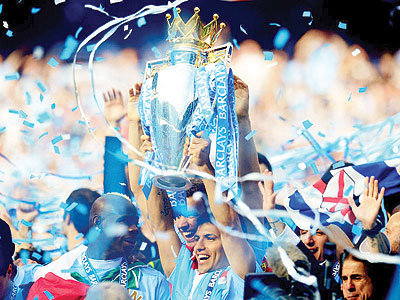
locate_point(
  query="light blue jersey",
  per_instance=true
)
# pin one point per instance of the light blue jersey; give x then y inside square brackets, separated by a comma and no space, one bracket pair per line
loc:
[22,282]
[218,285]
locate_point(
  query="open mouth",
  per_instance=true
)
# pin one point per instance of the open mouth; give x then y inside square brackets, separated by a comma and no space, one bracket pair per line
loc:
[188,234]
[313,251]
[202,257]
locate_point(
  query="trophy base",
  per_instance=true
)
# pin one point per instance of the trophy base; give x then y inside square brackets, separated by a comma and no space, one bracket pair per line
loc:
[173,183]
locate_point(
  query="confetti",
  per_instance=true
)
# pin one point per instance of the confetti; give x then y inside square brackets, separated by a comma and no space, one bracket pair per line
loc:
[349,97]
[126,27]
[156,52]
[129,33]
[56,2]
[41,97]
[77,32]
[307,124]
[250,135]
[36,255]
[99,58]
[307,14]
[356,52]
[35,10]
[362,89]
[115,1]
[63,205]
[79,236]
[9,33]
[38,52]
[242,29]
[13,111]
[56,139]
[321,134]
[71,206]
[75,108]
[43,134]
[2,129]
[143,246]
[141,22]
[81,122]
[53,106]
[235,43]
[56,150]
[53,62]
[275,24]
[5,24]
[26,223]
[153,251]
[338,164]
[301,166]
[70,46]
[41,86]
[29,124]
[12,76]
[28,98]
[268,55]
[1,8]
[22,114]
[44,117]
[89,48]
[281,38]
[342,25]
[49,295]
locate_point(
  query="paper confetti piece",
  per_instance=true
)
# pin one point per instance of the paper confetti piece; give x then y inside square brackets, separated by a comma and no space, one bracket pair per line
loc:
[70,46]
[35,10]
[56,2]
[314,168]
[56,139]
[43,134]
[5,24]
[301,166]
[268,55]
[126,27]
[89,48]
[275,24]
[307,124]
[321,134]
[242,29]
[12,76]
[281,38]
[28,98]
[9,33]
[2,129]
[78,31]
[342,25]
[63,205]
[235,43]
[41,86]
[1,8]
[143,246]
[307,14]
[79,236]
[22,114]
[362,89]
[26,223]
[250,135]
[29,124]
[43,117]
[81,122]
[53,62]
[356,52]
[49,295]
[36,255]
[38,52]
[156,52]
[129,33]
[349,97]
[338,164]
[41,97]
[153,252]
[115,1]
[71,206]
[25,131]
[75,108]
[53,106]
[141,22]
[13,111]
[56,149]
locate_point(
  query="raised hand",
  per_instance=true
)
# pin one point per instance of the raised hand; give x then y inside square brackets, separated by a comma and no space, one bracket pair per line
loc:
[368,210]
[200,151]
[114,108]
[146,144]
[267,191]
[242,98]
[133,112]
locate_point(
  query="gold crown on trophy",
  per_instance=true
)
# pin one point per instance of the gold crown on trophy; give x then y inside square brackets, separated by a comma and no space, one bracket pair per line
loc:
[193,34]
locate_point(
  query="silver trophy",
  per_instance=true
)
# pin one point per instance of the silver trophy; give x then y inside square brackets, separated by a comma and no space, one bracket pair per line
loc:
[173,92]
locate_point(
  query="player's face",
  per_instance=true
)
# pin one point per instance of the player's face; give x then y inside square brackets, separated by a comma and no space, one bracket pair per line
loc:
[314,243]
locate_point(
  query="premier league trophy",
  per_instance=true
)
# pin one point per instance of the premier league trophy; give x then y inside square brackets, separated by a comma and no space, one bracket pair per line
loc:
[189,91]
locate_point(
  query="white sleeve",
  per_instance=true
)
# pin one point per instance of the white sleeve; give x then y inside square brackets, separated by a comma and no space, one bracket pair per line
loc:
[288,236]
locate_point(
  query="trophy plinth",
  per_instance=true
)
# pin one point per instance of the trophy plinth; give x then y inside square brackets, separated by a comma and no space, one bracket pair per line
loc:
[174,182]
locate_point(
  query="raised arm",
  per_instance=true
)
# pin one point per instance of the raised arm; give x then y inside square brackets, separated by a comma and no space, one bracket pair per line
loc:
[367,212]
[235,248]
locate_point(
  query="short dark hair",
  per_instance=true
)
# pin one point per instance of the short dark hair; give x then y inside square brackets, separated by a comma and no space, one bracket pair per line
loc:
[197,186]
[79,216]
[391,201]
[262,159]
[7,247]
[347,255]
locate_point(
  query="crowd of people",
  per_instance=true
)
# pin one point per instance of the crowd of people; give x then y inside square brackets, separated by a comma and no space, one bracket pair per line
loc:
[70,229]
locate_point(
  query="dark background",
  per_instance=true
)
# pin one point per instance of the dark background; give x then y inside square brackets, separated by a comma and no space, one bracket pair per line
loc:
[375,25]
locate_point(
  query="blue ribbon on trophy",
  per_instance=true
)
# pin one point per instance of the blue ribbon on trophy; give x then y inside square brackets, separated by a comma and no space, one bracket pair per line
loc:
[189,91]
